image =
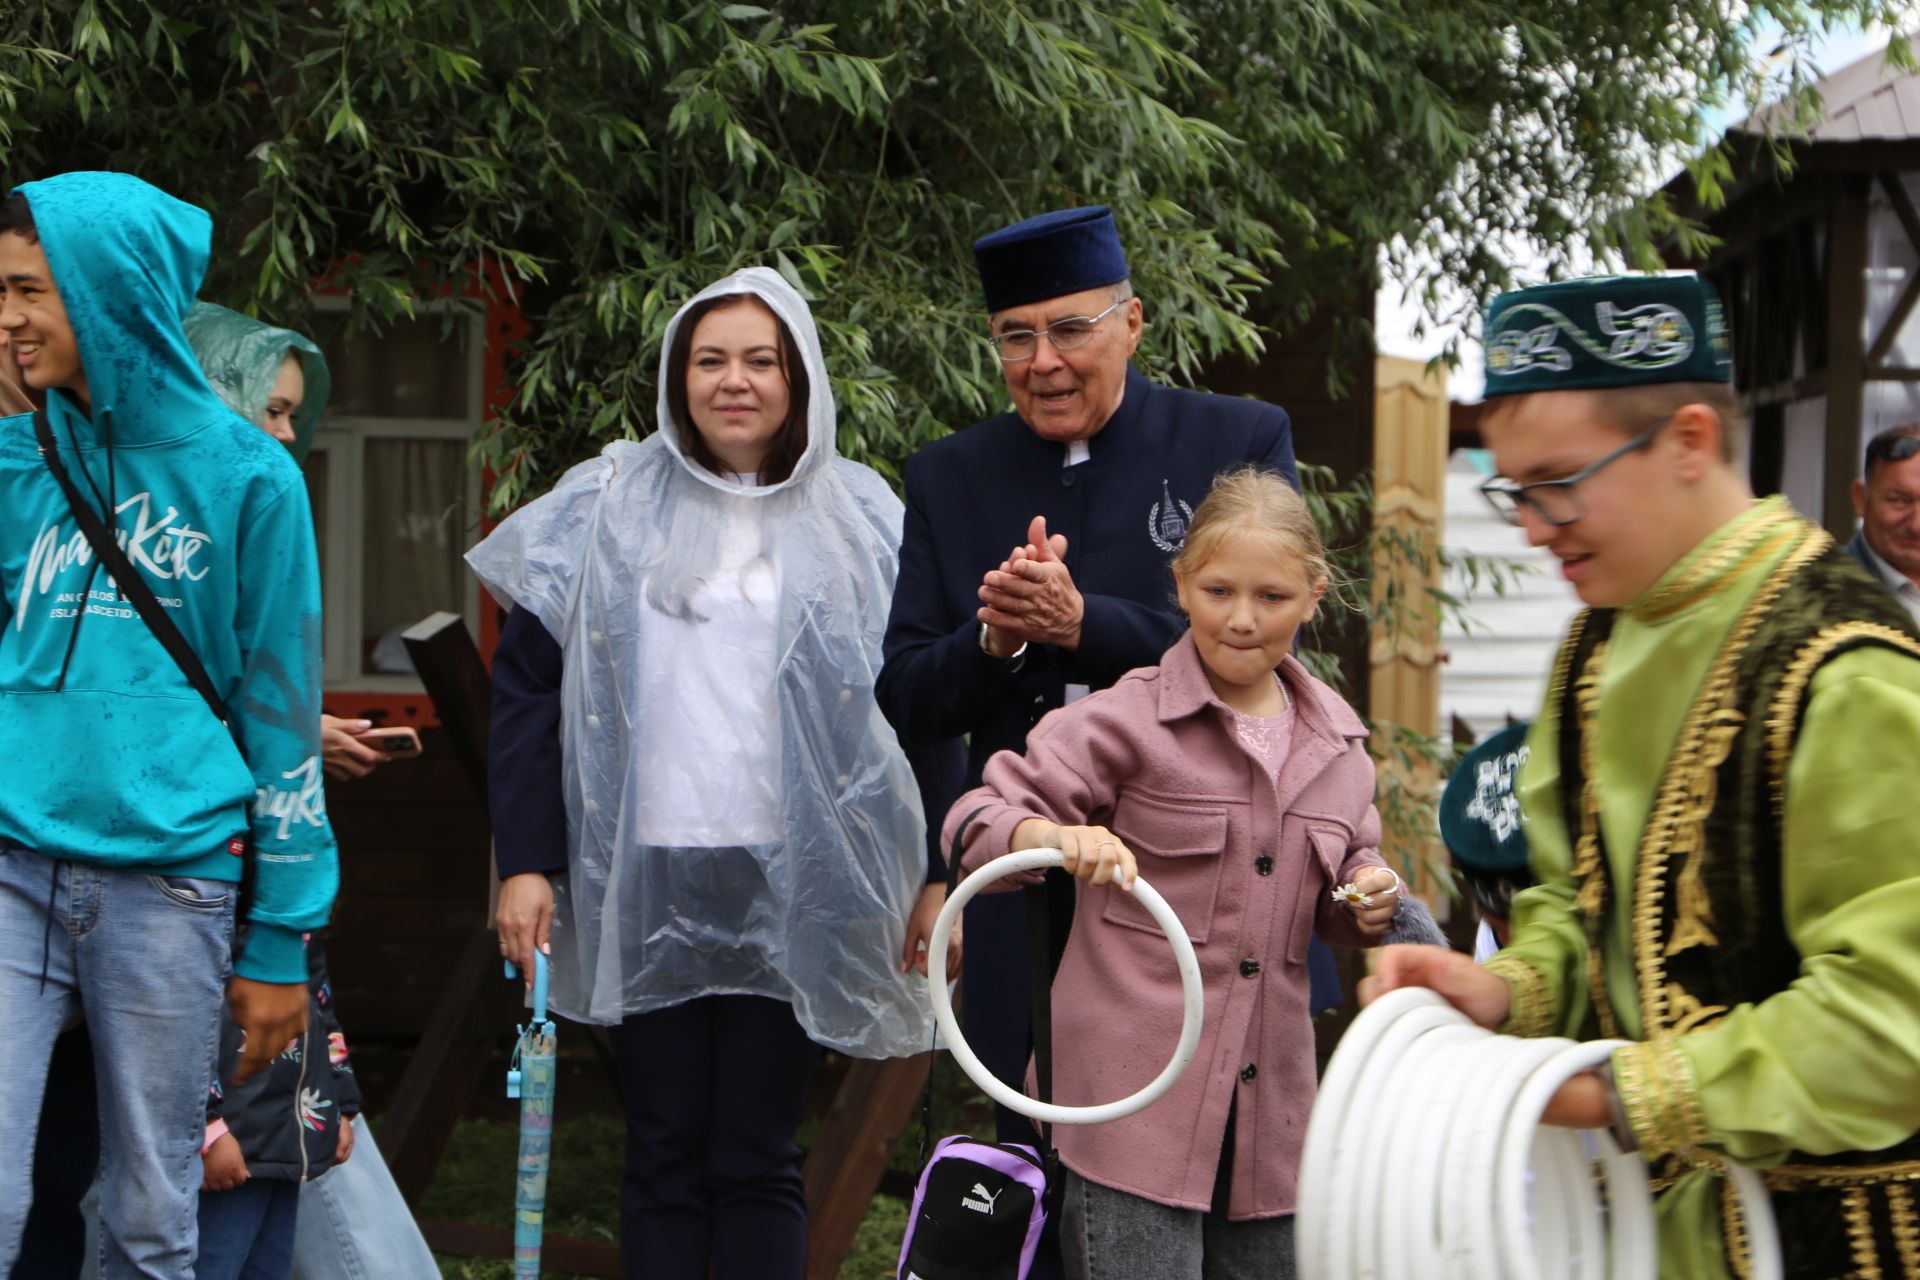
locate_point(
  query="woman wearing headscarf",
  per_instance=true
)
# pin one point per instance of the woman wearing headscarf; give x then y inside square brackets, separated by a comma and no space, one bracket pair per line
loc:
[352,1223]
[278,379]
[735,840]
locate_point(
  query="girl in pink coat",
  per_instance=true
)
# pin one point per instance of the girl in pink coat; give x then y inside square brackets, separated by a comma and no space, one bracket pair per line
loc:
[1240,786]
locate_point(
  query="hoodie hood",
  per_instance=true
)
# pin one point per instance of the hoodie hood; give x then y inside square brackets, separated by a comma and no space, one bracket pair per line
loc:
[781,298]
[128,259]
[114,760]
[241,357]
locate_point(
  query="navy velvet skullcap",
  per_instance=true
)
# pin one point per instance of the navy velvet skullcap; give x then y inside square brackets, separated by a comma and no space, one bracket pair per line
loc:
[1479,812]
[1050,256]
[1603,332]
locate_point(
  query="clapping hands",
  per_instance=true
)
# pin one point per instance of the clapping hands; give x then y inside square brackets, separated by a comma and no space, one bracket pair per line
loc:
[1030,598]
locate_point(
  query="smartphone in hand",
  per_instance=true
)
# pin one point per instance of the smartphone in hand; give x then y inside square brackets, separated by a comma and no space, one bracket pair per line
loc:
[397,743]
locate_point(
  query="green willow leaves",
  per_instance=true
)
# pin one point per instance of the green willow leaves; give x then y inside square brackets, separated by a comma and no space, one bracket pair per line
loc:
[609,158]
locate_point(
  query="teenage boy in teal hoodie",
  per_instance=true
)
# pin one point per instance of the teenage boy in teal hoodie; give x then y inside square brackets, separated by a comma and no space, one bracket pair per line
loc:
[126,808]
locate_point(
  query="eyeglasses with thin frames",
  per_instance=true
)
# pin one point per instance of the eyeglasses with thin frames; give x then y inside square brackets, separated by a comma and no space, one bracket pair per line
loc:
[1074,331]
[1556,501]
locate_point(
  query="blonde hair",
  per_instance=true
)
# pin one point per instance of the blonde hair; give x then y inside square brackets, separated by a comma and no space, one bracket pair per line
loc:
[1253,502]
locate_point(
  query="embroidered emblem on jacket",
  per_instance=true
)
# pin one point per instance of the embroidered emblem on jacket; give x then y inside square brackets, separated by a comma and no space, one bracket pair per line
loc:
[1167,521]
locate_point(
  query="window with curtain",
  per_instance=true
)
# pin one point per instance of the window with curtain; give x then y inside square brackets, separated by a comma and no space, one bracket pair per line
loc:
[394,496]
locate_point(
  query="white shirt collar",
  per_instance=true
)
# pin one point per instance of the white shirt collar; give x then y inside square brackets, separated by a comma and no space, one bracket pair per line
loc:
[1077,453]
[1900,584]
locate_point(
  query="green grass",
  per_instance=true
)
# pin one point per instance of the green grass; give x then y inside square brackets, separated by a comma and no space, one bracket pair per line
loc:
[475,1181]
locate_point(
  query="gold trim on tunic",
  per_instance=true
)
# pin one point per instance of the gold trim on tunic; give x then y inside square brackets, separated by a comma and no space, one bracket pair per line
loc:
[1782,717]
[1677,822]
[1529,1008]
[1772,526]
[1658,1094]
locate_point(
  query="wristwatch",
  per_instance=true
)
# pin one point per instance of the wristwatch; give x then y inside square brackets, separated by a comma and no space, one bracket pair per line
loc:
[1012,659]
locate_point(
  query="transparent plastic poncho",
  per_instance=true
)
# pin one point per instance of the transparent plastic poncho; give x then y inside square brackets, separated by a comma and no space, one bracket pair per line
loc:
[740,817]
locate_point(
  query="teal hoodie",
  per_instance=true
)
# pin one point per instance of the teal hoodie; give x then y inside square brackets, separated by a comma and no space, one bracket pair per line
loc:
[111,757]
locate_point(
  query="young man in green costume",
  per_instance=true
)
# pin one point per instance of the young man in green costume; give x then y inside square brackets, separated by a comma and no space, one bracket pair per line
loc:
[1720,797]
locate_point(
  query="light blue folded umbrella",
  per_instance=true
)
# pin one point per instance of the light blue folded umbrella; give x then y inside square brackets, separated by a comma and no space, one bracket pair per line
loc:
[530,1078]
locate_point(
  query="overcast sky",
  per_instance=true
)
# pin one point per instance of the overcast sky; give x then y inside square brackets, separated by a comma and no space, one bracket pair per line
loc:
[1394,319]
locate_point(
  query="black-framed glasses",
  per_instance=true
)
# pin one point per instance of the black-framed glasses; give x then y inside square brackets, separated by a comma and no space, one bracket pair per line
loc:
[1074,331]
[1556,501]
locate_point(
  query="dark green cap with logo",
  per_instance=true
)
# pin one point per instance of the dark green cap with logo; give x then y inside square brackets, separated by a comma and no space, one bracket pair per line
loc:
[1603,332]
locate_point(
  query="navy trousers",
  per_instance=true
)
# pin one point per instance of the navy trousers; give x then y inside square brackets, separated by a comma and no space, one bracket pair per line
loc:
[714,1090]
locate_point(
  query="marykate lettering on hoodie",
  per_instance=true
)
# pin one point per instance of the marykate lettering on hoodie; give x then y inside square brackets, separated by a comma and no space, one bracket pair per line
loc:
[114,760]
[163,546]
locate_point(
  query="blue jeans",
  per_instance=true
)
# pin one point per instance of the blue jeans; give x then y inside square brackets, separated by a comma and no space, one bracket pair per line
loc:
[148,958]
[247,1233]
[354,1225]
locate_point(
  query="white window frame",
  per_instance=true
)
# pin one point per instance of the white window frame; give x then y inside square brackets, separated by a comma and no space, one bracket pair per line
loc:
[342,440]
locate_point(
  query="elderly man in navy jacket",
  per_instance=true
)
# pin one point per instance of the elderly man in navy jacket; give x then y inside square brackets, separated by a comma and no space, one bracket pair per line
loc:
[1034,565]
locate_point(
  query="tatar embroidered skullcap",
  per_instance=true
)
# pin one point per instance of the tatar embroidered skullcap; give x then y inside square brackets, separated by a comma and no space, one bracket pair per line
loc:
[1479,812]
[1050,256]
[1606,331]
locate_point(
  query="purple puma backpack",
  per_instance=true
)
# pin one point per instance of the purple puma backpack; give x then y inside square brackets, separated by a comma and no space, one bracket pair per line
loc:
[977,1213]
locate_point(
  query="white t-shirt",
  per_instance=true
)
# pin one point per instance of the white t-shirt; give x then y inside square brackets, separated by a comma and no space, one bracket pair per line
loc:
[709,758]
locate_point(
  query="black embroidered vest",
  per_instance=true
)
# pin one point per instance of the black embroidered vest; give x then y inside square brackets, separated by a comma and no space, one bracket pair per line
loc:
[1708,925]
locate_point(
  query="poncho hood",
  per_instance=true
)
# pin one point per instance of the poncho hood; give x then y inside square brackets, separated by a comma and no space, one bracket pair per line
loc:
[771,288]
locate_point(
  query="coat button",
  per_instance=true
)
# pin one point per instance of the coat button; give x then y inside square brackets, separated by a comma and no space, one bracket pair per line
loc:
[1249,967]
[1066,478]
[1263,864]
[1248,1072]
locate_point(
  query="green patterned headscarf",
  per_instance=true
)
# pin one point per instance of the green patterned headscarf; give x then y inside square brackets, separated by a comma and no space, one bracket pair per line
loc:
[241,357]
[1606,331]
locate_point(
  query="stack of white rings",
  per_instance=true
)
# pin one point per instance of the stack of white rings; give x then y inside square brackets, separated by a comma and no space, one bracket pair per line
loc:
[1426,1160]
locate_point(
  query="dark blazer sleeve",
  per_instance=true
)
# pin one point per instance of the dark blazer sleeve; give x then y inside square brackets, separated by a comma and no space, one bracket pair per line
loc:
[941,770]
[1117,635]
[1273,437]
[934,680]
[524,798]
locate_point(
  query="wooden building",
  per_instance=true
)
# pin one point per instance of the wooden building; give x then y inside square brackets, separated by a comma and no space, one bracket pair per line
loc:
[1819,267]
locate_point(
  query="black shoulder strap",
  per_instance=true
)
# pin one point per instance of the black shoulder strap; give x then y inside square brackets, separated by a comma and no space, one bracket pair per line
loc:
[126,577]
[1040,997]
[953,882]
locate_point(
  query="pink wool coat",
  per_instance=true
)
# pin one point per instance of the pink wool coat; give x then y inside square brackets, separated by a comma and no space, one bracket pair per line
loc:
[1248,866]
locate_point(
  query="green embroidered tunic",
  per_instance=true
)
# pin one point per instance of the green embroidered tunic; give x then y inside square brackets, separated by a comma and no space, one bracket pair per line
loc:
[1832,1062]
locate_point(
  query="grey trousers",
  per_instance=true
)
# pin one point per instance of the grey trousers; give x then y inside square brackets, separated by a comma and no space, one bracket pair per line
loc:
[1114,1235]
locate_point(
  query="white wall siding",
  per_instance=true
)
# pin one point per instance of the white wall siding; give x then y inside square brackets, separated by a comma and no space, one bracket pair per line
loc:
[1498,665]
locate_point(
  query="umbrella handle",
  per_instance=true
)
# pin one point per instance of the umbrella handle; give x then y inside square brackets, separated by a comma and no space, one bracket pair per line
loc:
[539,983]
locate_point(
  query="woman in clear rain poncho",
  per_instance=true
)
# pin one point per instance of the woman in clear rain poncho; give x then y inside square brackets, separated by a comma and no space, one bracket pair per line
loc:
[685,726]
[279,379]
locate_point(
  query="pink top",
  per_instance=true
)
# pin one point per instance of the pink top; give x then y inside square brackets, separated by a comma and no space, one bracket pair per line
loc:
[1247,860]
[1267,738]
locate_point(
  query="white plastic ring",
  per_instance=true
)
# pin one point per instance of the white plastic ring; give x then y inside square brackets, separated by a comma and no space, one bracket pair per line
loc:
[1053,1113]
[1425,1158]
